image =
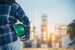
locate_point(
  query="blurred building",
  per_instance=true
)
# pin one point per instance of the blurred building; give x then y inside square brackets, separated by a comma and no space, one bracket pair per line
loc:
[54,41]
[33,36]
[61,31]
[32,32]
[44,33]
[50,40]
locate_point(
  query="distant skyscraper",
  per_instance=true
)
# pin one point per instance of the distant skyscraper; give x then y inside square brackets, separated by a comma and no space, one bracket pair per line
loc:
[32,32]
[44,34]
[61,31]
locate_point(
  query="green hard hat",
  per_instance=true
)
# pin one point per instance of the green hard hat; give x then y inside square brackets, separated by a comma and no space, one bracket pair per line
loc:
[19,29]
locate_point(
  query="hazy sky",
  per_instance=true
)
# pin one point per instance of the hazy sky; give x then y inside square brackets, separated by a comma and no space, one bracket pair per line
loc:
[58,11]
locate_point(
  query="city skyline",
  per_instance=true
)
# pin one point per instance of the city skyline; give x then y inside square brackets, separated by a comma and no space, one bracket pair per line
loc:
[57,11]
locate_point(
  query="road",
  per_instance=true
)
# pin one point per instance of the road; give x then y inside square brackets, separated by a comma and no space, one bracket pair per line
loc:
[46,49]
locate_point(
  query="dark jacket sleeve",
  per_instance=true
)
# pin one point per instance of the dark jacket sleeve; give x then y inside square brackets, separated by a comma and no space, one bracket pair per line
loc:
[20,15]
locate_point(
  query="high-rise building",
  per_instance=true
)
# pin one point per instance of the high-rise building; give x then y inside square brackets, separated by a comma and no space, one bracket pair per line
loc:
[44,34]
[33,36]
[61,31]
[50,40]
[32,32]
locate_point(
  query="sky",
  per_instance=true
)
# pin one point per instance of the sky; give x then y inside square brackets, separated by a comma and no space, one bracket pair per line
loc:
[57,11]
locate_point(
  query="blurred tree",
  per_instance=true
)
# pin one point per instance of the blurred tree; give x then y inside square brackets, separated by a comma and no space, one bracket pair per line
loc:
[71,31]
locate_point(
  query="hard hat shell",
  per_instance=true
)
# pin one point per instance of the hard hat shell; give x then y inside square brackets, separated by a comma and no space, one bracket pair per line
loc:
[19,29]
